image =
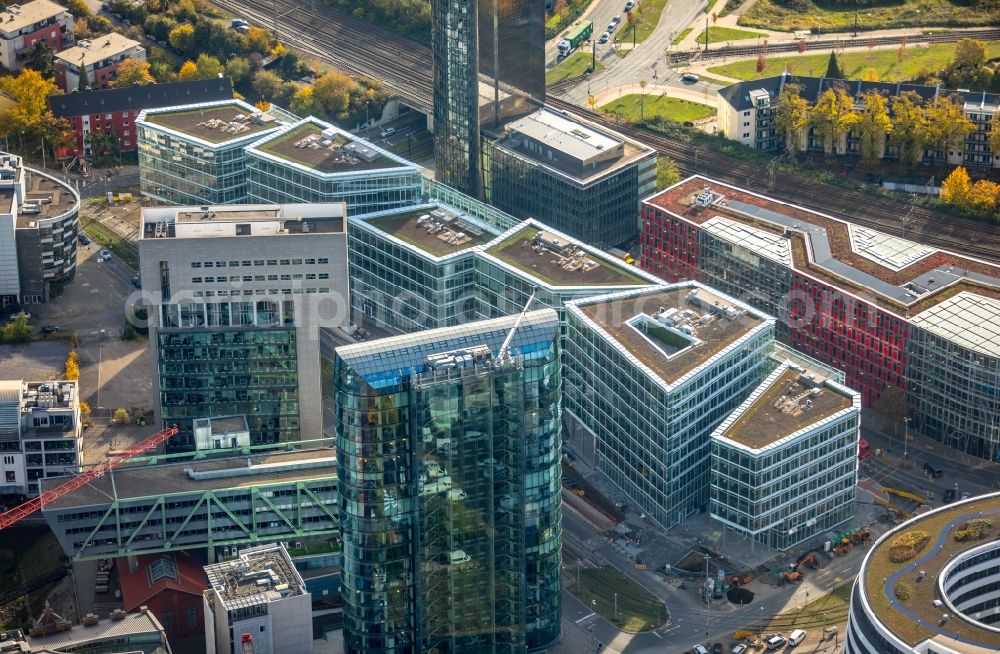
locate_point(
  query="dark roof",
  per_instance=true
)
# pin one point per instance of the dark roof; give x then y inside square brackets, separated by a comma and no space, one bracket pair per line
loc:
[149,96]
[738,95]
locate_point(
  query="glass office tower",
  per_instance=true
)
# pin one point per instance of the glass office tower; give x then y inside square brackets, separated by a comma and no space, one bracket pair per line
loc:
[489,67]
[449,455]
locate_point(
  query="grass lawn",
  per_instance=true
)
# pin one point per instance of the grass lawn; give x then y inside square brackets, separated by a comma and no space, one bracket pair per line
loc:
[680,37]
[674,109]
[854,64]
[638,610]
[572,66]
[832,607]
[646,18]
[774,15]
[111,240]
[723,34]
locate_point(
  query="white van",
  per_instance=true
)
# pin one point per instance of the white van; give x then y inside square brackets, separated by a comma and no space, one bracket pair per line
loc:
[796,637]
[458,556]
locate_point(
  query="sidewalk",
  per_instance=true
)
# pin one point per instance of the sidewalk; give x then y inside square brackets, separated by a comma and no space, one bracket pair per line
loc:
[604,97]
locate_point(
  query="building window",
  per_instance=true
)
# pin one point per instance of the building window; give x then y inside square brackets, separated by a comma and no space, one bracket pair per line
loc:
[192,617]
[168,621]
[10,477]
[8,460]
[243,230]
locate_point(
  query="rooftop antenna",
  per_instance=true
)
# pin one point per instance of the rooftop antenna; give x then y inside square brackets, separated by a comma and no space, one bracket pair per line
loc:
[504,354]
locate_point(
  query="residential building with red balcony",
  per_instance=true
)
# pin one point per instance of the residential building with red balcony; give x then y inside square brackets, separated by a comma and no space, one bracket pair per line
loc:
[891,313]
[113,111]
[22,25]
[99,57]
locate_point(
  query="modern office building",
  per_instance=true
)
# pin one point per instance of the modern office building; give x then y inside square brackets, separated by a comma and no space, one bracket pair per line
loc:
[40,433]
[891,313]
[114,111]
[449,446]
[935,591]
[746,114]
[784,464]
[575,177]
[649,374]
[23,24]
[489,66]
[313,161]
[137,633]
[238,295]
[259,598]
[195,154]
[220,503]
[39,224]
[98,58]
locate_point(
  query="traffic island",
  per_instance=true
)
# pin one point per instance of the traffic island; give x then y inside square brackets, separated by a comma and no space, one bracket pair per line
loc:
[607,589]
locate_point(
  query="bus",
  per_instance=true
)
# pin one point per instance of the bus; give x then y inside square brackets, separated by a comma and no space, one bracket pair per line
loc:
[575,37]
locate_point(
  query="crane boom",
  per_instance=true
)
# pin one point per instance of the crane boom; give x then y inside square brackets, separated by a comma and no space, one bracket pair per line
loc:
[34,504]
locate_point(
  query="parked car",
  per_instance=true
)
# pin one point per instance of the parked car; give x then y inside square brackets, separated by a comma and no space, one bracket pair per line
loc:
[690,77]
[933,470]
[739,648]
[604,37]
[50,329]
[616,20]
[699,649]
[717,648]
[388,131]
[84,239]
[949,495]
[20,314]
[103,256]
[966,495]
[796,637]
[612,26]
[137,281]
[630,5]
[775,642]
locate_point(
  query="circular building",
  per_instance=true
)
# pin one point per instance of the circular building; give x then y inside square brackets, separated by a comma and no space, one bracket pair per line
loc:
[931,585]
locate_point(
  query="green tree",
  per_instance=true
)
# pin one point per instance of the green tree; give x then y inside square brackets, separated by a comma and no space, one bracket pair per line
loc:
[181,36]
[120,417]
[16,331]
[909,126]
[302,102]
[995,133]
[791,115]
[832,116]
[667,173]
[266,84]
[969,53]
[133,71]
[83,83]
[891,405]
[39,58]
[209,66]
[238,70]
[955,188]
[873,125]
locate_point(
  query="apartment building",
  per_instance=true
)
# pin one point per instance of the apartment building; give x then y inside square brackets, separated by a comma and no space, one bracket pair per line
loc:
[449,446]
[239,295]
[746,114]
[580,179]
[98,58]
[314,161]
[889,312]
[195,154]
[114,111]
[21,25]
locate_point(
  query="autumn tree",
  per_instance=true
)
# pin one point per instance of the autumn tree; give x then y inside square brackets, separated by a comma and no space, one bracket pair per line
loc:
[188,72]
[332,92]
[871,75]
[833,67]
[909,126]
[832,116]
[791,116]
[873,125]
[208,66]
[133,71]
[955,188]
[947,121]
[302,102]
[258,40]
[180,37]
[983,196]
[995,133]
[761,63]
[29,91]
[969,53]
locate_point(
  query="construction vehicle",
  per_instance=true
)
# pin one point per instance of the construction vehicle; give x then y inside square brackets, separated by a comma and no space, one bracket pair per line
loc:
[18,513]
[792,575]
[810,560]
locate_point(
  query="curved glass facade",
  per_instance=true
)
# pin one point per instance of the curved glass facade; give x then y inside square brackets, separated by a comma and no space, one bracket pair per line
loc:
[450,493]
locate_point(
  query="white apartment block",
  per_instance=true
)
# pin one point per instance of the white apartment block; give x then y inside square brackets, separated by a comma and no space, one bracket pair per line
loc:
[22,25]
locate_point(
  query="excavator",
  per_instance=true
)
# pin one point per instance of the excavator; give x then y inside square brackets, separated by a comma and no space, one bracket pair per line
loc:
[795,573]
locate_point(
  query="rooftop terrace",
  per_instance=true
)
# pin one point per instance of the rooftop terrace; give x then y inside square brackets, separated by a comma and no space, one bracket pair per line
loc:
[917,618]
[900,275]
[559,261]
[260,575]
[325,150]
[136,481]
[215,123]
[668,331]
[791,402]
[438,231]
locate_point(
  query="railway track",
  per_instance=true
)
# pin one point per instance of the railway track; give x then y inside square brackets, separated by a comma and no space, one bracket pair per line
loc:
[929,226]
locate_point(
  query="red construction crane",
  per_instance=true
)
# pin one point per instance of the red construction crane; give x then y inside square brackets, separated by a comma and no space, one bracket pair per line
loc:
[247,644]
[34,504]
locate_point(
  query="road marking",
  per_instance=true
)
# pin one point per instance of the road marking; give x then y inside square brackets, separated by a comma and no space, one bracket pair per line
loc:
[657,635]
[590,615]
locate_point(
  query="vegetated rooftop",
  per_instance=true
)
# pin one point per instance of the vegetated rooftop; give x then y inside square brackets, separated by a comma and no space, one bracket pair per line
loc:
[617,316]
[763,422]
[440,234]
[924,622]
[215,124]
[308,146]
[559,261]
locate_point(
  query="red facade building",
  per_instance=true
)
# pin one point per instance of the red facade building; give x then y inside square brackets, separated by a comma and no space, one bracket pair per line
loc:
[113,111]
[171,586]
[21,25]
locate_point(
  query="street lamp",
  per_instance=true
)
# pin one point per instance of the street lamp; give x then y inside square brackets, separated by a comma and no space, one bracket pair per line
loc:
[906,435]
[761,633]
[616,607]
